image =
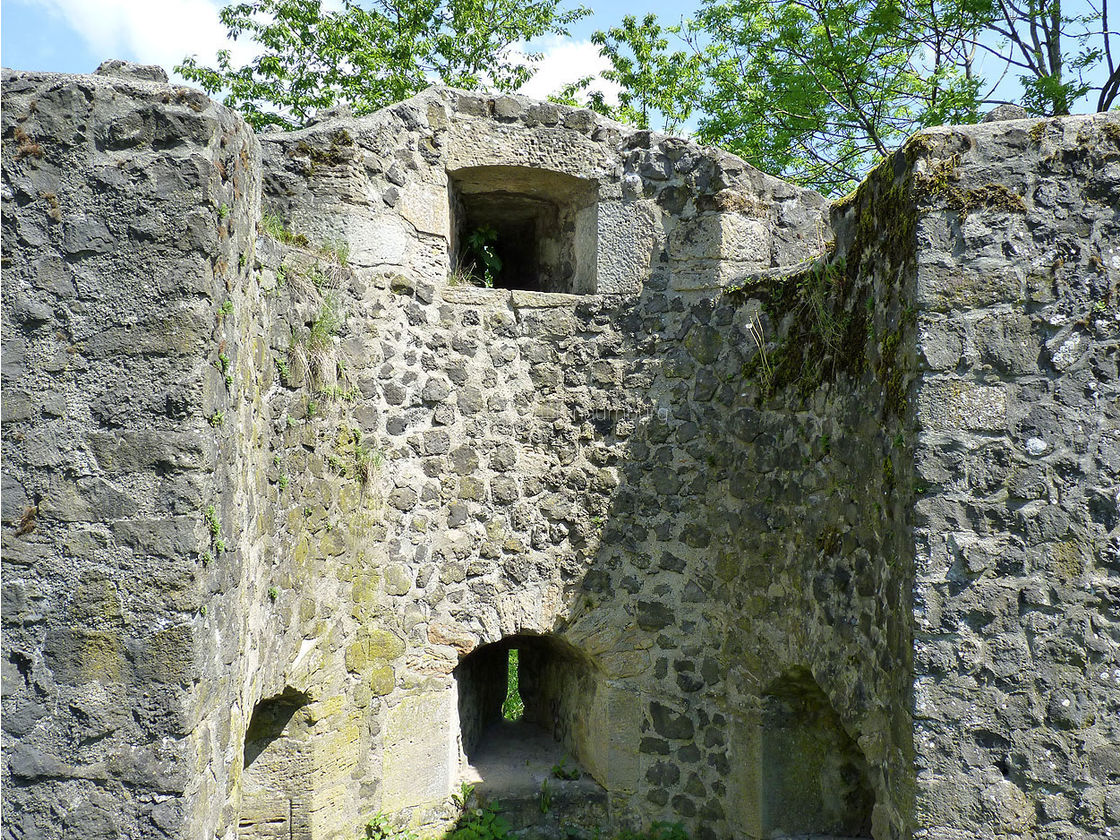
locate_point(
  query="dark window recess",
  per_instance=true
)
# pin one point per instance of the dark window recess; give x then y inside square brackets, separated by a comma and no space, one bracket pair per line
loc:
[540,225]
[814,777]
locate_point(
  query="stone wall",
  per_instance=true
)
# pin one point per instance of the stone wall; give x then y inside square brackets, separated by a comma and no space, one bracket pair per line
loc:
[704,493]
[814,565]
[126,203]
[1017,460]
[521,483]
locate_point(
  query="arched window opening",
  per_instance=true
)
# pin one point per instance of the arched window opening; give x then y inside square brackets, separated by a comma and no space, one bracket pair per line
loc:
[524,722]
[814,776]
[275,792]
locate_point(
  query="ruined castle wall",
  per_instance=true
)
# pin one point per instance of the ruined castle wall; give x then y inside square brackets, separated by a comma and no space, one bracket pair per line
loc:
[269,525]
[526,484]
[1016,540]
[812,524]
[627,472]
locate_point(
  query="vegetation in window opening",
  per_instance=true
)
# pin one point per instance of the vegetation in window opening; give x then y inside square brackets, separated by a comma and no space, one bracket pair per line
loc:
[482,263]
[513,707]
[481,818]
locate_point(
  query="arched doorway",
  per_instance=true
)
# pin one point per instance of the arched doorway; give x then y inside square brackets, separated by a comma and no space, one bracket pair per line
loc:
[814,776]
[530,755]
[275,793]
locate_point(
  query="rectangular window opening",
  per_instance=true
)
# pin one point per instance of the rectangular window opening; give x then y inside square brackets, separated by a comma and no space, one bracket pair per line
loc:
[521,228]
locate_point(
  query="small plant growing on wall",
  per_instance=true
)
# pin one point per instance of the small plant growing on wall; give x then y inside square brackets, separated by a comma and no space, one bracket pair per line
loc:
[367,462]
[313,354]
[563,770]
[284,370]
[381,828]
[481,258]
[273,226]
[337,250]
[545,800]
[480,820]
[214,526]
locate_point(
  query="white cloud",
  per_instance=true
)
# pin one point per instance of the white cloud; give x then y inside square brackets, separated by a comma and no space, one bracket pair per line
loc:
[566,61]
[149,31]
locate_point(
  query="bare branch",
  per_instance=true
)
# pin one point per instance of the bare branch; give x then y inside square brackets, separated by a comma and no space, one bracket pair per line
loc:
[1109,91]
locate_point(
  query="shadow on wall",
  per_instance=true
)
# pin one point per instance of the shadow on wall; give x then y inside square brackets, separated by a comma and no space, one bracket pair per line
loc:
[681,555]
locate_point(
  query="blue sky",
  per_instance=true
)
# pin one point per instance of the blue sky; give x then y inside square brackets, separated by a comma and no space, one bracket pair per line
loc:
[74,36]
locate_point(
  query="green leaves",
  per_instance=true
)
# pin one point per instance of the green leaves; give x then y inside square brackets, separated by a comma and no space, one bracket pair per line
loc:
[653,80]
[1054,52]
[513,707]
[815,90]
[818,91]
[483,821]
[370,55]
[482,260]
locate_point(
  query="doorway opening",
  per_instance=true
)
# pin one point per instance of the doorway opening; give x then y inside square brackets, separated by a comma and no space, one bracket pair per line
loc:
[523,703]
[275,794]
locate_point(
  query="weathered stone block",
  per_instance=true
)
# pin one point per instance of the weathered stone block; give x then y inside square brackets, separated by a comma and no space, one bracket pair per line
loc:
[420,758]
[959,404]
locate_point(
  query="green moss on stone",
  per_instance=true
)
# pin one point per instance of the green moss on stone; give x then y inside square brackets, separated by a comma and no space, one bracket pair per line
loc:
[339,151]
[382,680]
[1068,561]
[827,306]
[385,645]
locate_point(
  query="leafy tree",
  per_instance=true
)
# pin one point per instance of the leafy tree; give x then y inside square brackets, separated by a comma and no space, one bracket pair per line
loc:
[819,90]
[373,54]
[652,80]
